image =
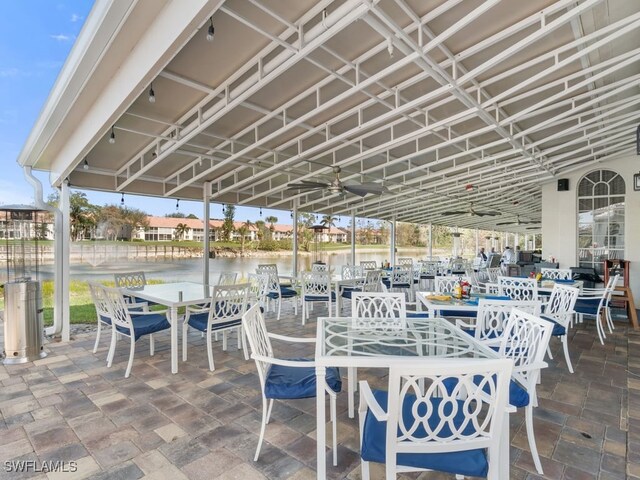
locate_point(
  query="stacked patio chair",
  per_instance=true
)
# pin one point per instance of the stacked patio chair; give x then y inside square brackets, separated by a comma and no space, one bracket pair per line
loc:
[559,310]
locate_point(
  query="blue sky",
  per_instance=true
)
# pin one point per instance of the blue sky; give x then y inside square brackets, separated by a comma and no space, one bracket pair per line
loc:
[35,39]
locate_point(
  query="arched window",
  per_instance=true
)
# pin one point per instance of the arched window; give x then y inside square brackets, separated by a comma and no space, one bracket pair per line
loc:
[600,218]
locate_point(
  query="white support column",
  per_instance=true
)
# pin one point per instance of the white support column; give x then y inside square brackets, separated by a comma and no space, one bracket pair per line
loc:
[430,244]
[65,208]
[294,268]
[353,237]
[392,253]
[477,243]
[206,191]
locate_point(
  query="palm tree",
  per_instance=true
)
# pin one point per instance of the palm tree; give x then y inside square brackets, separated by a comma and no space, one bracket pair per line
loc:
[329,221]
[271,220]
[181,230]
[243,231]
[260,227]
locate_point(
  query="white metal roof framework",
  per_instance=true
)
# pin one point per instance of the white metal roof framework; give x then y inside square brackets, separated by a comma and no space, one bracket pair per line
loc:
[427,96]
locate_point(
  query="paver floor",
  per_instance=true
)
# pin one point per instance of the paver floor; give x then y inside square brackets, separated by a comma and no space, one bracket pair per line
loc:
[199,424]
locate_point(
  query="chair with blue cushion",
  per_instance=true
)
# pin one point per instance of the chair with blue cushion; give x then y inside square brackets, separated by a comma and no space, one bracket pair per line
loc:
[223,314]
[382,311]
[134,326]
[277,292]
[518,288]
[556,273]
[492,318]
[419,425]
[594,302]
[369,265]
[316,287]
[131,281]
[372,283]
[559,310]
[285,379]
[525,341]
[400,279]
[99,297]
[425,274]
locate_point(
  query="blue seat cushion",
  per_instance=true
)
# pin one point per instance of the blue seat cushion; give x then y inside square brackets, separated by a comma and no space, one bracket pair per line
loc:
[146,324]
[459,313]
[199,321]
[469,463]
[105,319]
[320,298]
[558,330]
[285,292]
[347,292]
[588,306]
[285,382]
[518,396]
[417,315]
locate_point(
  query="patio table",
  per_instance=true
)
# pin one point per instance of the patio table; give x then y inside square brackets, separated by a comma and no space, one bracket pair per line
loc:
[340,342]
[173,296]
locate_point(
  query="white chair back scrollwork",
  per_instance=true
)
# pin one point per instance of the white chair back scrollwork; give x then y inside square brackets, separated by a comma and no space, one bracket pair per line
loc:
[227,278]
[493,315]
[372,281]
[446,285]
[130,280]
[425,417]
[556,273]
[401,278]
[319,267]
[259,288]
[560,310]
[368,265]
[349,272]
[405,261]
[493,274]
[378,305]
[518,288]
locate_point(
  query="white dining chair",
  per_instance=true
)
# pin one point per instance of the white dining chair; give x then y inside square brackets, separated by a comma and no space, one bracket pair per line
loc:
[420,425]
[316,287]
[559,310]
[285,379]
[556,273]
[518,288]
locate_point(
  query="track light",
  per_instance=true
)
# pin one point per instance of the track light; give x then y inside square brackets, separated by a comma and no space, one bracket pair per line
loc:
[211,31]
[112,137]
[152,94]
[122,200]
[177,204]
[85,166]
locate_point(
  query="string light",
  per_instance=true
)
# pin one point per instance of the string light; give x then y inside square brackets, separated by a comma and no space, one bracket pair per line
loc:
[122,200]
[85,166]
[152,94]
[177,204]
[112,137]
[260,212]
[211,31]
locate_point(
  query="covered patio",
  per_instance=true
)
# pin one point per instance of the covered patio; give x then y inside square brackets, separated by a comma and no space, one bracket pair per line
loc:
[476,114]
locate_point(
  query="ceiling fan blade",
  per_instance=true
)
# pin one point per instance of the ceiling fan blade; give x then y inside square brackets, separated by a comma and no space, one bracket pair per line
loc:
[454,213]
[533,228]
[506,223]
[366,188]
[306,185]
[486,214]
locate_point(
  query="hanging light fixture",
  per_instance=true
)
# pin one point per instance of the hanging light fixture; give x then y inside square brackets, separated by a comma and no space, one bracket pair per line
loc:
[390,47]
[223,208]
[122,200]
[152,94]
[211,31]
[112,137]
[177,204]
[260,212]
[85,165]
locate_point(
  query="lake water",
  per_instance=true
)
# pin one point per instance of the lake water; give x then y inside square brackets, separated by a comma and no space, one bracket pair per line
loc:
[190,269]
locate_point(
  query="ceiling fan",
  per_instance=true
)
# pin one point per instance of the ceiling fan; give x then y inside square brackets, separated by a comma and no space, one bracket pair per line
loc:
[336,186]
[518,222]
[471,212]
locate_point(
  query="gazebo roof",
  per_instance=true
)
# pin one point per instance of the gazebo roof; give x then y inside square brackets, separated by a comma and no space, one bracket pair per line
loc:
[446,102]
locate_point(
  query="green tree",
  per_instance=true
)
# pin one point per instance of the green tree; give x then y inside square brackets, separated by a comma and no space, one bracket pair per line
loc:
[244,231]
[175,215]
[192,216]
[118,223]
[260,229]
[82,214]
[227,224]
[181,230]
[305,234]
[271,220]
[329,221]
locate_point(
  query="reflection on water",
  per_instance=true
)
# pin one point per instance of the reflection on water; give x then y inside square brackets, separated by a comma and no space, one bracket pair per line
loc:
[190,269]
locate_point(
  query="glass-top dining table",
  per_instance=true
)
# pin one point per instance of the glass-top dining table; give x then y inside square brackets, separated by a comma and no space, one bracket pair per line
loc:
[379,343]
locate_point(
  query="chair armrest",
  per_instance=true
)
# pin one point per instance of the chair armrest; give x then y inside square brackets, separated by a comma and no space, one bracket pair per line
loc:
[367,400]
[197,310]
[286,338]
[143,305]
[531,367]
[462,324]
[284,363]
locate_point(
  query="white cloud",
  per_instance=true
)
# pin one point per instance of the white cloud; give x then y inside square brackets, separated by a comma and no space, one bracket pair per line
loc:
[75,18]
[9,72]
[10,193]
[61,37]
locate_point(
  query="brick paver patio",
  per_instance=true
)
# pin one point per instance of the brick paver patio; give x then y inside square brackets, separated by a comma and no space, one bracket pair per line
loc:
[201,424]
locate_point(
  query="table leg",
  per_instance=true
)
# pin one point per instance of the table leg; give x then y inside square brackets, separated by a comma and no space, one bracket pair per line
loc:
[505,463]
[174,339]
[631,309]
[321,424]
